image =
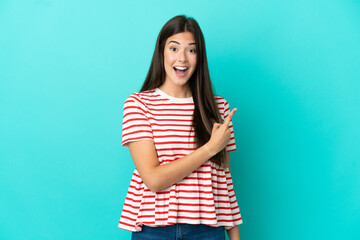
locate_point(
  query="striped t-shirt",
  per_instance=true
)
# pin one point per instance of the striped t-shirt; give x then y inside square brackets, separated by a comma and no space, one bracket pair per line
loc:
[206,196]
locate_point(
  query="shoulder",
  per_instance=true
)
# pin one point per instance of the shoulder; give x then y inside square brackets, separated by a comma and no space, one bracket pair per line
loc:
[223,106]
[221,101]
[141,97]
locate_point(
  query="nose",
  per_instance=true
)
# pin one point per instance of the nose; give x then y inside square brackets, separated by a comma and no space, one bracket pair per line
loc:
[182,56]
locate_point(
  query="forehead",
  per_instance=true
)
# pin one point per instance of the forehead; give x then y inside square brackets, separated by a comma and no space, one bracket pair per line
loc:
[182,38]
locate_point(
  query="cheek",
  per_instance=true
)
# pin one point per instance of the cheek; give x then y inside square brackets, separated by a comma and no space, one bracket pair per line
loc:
[168,58]
[194,61]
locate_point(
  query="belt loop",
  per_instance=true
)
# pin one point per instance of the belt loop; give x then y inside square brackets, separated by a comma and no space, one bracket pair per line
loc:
[184,236]
[177,231]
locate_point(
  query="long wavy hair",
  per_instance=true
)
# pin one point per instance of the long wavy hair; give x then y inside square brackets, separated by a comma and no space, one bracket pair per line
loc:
[206,111]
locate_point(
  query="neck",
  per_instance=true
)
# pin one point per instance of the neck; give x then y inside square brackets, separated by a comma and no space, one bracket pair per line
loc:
[176,90]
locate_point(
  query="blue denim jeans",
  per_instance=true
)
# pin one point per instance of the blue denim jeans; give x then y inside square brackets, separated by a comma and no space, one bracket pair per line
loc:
[180,232]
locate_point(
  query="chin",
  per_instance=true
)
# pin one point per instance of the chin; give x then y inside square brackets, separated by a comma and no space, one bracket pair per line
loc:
[181,82]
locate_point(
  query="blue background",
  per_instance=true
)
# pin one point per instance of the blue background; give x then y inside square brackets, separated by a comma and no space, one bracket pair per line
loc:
[290,67]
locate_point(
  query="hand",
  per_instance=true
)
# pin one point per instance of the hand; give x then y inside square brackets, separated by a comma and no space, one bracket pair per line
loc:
[220,135]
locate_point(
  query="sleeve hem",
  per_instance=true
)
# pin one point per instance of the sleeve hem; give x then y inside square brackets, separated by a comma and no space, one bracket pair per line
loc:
[125,144]
[230,150]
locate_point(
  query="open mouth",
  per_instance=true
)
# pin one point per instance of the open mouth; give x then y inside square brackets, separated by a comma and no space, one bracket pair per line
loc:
[180,71]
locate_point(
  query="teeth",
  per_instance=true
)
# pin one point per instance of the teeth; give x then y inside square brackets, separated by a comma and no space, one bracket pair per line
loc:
[181,68]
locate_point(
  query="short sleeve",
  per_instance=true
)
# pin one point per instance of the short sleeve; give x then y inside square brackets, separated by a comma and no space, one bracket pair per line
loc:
[136,125]
[231,145]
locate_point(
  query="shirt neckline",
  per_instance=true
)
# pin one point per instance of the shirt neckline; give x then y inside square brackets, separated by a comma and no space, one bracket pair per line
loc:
[184,100]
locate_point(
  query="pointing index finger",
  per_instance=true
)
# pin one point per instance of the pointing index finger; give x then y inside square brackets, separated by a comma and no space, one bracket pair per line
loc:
[228,118]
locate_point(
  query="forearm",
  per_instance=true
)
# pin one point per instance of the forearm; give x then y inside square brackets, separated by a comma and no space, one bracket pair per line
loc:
[233,233]
[158,177]
[168,174]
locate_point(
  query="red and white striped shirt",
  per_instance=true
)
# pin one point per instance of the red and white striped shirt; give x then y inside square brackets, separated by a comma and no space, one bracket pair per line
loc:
[206,196]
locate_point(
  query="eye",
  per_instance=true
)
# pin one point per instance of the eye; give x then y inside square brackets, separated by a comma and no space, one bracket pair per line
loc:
[192,50]
[173,49]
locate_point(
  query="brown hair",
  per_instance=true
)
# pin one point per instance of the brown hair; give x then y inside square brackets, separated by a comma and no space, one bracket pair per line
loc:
[206,111]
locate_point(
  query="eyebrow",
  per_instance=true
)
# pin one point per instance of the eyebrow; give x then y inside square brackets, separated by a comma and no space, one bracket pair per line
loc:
[179,43]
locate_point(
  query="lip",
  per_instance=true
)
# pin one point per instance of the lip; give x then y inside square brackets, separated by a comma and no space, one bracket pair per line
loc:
[186,70]
[181,75]
[182,66]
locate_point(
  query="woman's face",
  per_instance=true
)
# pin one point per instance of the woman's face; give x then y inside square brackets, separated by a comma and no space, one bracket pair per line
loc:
[179,58]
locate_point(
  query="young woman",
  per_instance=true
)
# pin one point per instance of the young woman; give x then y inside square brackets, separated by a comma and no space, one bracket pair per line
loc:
[179,135]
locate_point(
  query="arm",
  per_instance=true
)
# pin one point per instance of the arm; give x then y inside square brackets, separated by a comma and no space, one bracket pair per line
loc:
[233,233]
[158,177]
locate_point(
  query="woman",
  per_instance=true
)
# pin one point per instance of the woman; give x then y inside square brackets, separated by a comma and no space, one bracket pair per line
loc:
[179,135]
